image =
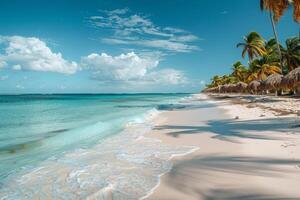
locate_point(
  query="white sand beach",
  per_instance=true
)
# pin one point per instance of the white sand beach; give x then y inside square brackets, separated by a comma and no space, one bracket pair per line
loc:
[249,148]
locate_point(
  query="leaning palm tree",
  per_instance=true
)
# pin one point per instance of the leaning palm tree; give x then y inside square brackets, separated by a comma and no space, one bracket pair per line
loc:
[277,9]
[291,55]
[296,4]
[253,45]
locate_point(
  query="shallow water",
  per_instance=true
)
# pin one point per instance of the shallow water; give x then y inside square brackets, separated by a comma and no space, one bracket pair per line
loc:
[82,146]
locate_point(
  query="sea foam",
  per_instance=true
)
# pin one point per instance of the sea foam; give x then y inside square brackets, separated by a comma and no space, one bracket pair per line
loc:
[125,166]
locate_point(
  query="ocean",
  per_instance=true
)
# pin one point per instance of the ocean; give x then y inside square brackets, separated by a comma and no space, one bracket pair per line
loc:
[82,146]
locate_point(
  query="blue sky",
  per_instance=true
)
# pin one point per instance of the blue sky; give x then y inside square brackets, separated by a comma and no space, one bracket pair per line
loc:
[124,46]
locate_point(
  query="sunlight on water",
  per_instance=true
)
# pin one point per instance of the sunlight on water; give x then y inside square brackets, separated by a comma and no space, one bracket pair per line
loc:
[73,146]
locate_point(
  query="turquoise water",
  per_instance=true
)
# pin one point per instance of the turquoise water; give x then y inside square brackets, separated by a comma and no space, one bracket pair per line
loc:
[47,131]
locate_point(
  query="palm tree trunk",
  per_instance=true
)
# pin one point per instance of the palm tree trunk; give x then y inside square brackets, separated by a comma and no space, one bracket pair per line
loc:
[278,46]
[277,41]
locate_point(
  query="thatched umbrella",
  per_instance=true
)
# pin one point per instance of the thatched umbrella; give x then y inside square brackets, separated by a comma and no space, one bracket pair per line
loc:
[216,89]
[225,88]
[254,85]
[212,90]
[230,87]
[293,77]
[263,88]
[207,90]
[241,86]
[274,81]
[222,89]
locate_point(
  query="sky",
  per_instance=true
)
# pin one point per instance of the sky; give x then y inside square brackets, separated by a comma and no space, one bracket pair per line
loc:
[113,46]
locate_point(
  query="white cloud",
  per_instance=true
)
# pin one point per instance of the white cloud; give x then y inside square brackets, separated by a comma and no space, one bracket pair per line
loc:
[3,78]
[174,30]
[118,11]
[120,68]
[162,44]
[185,38]
[130,68]
[167,76]
[30,53]
[134,29]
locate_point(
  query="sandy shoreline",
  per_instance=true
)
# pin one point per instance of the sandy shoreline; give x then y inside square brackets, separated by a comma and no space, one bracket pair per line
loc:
[246,151]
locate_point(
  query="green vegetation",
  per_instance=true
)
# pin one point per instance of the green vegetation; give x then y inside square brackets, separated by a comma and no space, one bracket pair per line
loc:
[265,58]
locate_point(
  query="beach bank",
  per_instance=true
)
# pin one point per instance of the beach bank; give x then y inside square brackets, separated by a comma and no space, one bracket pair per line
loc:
[249,148]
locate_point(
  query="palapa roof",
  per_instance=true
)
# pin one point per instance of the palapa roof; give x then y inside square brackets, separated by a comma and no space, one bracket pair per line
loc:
[263,85]
[230,87]
[286,83]
[242,85]
[213,89]
[293,77]
[274,81]
[254,84]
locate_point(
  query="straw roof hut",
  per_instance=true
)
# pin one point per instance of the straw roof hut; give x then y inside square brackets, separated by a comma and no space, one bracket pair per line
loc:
[274,81]
[230,87]
[293,78]
[254,85]
[205,90]
[212,90]
[222,89]
[216,89]
[285,83]
[263,87]
[225,88]
[241,86]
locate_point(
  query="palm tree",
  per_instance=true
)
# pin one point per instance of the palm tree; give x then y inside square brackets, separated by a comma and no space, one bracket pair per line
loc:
[264,67]
[239,71]
[271,50]
[216,81]
[253,45]
[251,75]
[277,9]
[271,46]
[226,79]
[291,55]
[296,4]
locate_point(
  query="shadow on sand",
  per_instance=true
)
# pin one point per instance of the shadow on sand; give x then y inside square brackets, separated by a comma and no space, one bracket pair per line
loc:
[196,176]
[230,128]
[206,176]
